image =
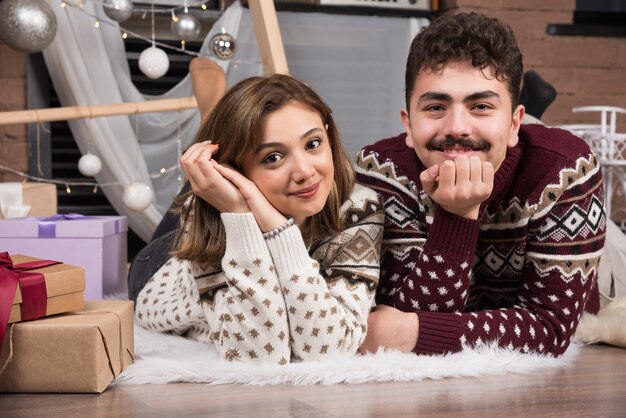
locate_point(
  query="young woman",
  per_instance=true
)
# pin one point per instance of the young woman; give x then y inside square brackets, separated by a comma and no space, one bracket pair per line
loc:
[277,255]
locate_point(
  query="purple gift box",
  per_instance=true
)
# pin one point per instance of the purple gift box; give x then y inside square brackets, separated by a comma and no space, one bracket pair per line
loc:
[96,243]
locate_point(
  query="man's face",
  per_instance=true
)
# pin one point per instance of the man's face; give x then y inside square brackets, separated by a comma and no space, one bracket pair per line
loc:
[461,110]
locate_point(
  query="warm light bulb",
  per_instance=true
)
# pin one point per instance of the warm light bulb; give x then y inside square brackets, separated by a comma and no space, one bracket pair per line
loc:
[124,35]
[162,170]
[97,24]
[67,189]
[203,6]
[63,4]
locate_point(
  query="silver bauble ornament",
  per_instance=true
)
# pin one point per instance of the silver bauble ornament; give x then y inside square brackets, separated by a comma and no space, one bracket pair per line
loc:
[89,165]
[223,45]
[27,25]
[118,10]
[186,27]
[153,62]
[137,196]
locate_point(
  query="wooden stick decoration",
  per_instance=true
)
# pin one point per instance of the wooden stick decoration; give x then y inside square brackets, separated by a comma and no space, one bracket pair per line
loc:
[79,112]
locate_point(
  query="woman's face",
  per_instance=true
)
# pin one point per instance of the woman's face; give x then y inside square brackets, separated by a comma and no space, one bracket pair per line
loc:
[293,164]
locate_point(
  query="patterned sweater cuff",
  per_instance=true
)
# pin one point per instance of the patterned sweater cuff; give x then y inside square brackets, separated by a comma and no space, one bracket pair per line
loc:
[243,235]
[438,333]
[452,235]
[289,252]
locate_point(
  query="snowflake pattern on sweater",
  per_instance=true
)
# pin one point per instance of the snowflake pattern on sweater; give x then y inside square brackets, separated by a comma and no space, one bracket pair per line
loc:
[522,274]
[270,301]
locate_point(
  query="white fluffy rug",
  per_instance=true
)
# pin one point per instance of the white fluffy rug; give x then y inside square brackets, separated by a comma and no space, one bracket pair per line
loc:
[163,358]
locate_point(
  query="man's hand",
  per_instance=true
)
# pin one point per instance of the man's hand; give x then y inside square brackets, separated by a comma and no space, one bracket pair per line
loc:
[390,328]
[459,186]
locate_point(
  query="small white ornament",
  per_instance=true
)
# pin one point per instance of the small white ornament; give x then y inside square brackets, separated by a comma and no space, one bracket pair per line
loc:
[138,196]
[153,62]
[89,165]
[186,27]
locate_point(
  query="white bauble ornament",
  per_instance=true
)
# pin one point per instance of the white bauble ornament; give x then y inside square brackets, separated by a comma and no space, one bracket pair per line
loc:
[118,10]
[137,196]
[223,45]
[89,165]
[153,62]
[27,25]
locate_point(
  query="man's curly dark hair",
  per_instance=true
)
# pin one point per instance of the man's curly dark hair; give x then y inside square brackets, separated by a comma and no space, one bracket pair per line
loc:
[482,40]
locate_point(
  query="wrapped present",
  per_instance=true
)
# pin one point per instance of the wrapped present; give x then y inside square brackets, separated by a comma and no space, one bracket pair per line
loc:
[27,199]
[76,352]
[96,243]
[31,288]
[64,286]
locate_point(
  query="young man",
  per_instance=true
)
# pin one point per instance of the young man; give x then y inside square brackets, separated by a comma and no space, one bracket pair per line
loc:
[493,229]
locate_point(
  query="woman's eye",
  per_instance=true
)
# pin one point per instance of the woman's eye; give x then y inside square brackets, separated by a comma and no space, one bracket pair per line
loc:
[272,158]
[313,143]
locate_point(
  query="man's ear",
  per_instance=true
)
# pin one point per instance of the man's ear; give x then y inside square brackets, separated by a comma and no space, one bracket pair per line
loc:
[406,122]
[516,123]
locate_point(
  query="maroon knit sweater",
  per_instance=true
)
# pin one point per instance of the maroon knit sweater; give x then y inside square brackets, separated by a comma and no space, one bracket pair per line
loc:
[520,275]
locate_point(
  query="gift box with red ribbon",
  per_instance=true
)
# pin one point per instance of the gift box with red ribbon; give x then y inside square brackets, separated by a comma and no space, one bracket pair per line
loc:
[96,243]
[31,288]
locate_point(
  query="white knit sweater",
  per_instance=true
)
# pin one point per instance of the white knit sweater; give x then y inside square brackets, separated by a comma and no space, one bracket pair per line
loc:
[272,301]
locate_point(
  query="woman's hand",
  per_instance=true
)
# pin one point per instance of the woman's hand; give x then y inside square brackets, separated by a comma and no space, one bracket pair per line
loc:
[267,217]
[207,182]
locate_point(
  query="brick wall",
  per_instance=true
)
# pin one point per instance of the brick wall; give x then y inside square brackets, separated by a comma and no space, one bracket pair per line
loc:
[13,138]
[584,70]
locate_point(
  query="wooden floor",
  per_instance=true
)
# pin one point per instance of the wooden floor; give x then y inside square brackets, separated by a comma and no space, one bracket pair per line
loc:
[595,386]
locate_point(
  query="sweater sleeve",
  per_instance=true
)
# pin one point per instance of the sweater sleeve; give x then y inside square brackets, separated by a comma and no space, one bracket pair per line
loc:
[247,318]
[558,275]
[328,301]
[169,302]
[437,270]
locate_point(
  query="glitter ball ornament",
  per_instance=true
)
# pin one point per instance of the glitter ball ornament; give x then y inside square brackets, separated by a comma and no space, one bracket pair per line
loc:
[89,165]
[186,27]
[27,25]
[153,62]
[137,196]
[223,45]
[118,10]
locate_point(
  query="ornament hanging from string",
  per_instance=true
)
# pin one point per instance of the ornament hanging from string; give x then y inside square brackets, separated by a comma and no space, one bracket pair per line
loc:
[137,195]
[186,26]
[89,165]
[153,61]
[223,45]
[118,10]
[27,25]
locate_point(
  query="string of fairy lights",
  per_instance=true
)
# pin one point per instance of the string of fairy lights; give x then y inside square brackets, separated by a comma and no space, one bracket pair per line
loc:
[153,62]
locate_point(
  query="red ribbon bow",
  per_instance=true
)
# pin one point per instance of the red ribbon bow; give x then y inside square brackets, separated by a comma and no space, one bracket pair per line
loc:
[32,286]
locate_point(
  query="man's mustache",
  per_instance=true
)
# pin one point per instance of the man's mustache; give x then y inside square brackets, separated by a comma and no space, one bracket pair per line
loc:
[451,142]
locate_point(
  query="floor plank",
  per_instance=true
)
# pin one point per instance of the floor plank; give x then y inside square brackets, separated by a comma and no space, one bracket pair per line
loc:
[595,385]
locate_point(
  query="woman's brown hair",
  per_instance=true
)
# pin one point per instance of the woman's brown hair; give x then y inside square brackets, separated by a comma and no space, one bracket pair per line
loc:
[236,124]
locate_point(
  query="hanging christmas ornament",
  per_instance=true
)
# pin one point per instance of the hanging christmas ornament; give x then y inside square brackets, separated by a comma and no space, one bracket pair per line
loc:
[137,196]
[118,10]
[185,27]
[223,45]
[89,165]
[74,3]
[27,25]
[153,62]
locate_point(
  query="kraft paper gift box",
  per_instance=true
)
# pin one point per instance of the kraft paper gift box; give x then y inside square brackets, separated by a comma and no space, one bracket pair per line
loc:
[76,352]
[65,286]
[96,243]
[27,199]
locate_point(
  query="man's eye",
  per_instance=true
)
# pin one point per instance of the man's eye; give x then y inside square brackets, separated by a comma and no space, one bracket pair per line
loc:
[482,106]
[435,108]
[272,158]
[313,143]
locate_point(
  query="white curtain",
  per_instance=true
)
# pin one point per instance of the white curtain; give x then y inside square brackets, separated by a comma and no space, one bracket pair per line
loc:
[356,63]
